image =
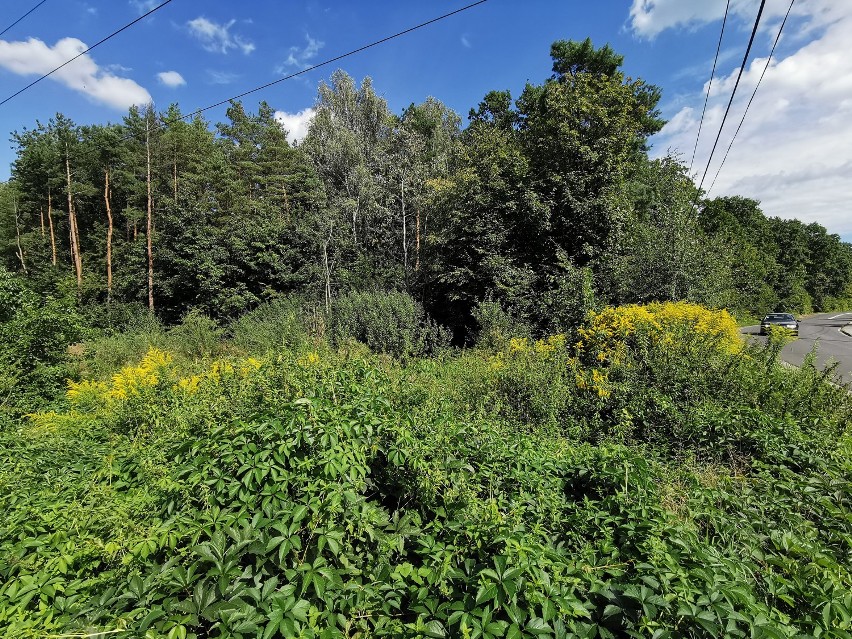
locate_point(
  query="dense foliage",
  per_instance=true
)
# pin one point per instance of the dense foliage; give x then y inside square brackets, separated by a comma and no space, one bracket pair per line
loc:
[230,406]
[617,487]
[544,205]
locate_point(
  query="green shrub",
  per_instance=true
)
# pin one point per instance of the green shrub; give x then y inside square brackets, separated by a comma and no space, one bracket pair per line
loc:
[279,323]
[334,493]
[106,353]
[391,323]
[35,334]
[196,337]
[496,326]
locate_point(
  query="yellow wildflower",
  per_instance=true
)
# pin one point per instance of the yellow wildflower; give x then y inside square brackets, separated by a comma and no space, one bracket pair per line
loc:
[309,360]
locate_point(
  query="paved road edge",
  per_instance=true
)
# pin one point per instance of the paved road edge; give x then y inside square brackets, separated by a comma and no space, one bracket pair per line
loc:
[847,330]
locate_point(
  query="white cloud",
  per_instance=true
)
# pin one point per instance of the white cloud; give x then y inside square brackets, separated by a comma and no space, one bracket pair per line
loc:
[34,57]
[218,37]
[648,18]
[144,6]
[466,42]
[794,152]
[221,77]
[296,124]
[171,78]
[301,57]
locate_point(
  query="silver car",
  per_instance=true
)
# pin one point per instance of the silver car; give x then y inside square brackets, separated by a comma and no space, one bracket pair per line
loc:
[784,320]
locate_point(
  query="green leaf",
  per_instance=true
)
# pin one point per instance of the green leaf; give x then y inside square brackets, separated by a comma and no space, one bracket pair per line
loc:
[435,629]
[300,610]
[538,626]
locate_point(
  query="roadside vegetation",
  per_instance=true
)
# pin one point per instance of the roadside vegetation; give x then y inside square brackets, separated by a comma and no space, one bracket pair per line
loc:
[648,474]
[408,380]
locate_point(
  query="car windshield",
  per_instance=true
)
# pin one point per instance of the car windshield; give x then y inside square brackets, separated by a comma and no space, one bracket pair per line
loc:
[780,317]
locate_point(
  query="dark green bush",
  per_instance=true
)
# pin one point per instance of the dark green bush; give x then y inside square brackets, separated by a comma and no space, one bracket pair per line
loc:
[35,334]
[392,323]
[282,322]
[197,336]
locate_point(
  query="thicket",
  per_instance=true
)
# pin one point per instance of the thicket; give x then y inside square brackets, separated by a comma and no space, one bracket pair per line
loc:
[651,476]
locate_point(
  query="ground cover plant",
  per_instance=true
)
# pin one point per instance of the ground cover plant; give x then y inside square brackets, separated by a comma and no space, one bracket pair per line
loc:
[648,475]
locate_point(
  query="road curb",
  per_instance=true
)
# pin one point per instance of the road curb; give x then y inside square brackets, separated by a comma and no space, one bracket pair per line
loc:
[847,329]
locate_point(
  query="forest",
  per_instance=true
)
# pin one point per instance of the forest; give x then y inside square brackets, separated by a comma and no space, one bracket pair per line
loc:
[411,377]
[532,201]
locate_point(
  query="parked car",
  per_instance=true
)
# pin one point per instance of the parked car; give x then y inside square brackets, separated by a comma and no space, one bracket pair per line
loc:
[784,320]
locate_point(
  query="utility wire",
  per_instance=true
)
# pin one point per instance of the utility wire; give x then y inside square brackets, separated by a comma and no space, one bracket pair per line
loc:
[97,44]
[22,17]
[733,93]
[197,112]
[751,99]
[337,58]
[707,96]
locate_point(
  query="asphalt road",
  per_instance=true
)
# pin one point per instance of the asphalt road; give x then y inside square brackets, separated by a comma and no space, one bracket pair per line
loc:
[821,332]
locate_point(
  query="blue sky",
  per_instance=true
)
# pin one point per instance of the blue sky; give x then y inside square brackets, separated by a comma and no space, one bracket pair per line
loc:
[794,152]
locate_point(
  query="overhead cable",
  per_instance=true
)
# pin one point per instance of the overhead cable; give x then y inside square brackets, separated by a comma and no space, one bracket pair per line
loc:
[337,58]
[751,99]
[733,93]
[707,95]
[97,44]
[198,111]
[22,17]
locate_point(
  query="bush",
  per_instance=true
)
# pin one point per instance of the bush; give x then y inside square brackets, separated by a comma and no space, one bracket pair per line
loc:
[496,326]
[391,323]
[103,355]
[196,337]
[279,323]
[35,334]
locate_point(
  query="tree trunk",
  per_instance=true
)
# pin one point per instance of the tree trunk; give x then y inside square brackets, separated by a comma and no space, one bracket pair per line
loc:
[417,241]
[174,175]
[41,219]
[50,226]
[72,222]
[150,222]
[327,279]
[404,230]
[18,238]
[109,234]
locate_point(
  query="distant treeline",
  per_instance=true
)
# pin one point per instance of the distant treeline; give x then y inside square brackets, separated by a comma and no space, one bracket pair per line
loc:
[547,205]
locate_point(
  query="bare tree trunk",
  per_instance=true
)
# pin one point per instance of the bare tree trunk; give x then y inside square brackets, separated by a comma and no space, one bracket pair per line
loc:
[72,222]
[327,278]
[417,242]
[109,234]
[20,252]
[404,229]
[150,222]
[50,226]
[174,166]
[41,219]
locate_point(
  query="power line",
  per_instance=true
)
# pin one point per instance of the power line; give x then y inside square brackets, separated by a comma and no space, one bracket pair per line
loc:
[335,59]
[707,96]
[22,17]
[733,93]
[198,111]
[97,44]
[751,99]
[195,112]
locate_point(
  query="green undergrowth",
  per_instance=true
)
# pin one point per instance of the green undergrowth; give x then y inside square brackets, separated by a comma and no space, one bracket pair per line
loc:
[655,480]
